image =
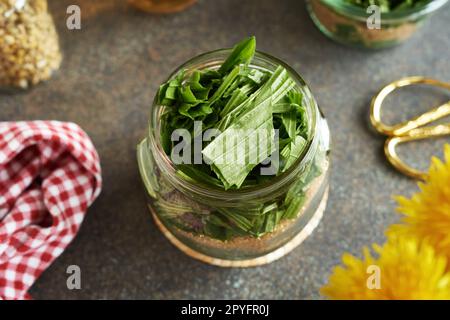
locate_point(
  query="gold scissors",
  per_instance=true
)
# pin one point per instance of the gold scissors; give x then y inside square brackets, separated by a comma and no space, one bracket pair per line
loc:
[410,130]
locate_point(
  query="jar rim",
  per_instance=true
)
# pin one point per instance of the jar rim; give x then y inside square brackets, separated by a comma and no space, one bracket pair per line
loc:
[390,17]
[166,165]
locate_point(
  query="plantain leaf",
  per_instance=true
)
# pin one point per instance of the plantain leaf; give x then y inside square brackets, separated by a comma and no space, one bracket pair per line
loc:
[242,53]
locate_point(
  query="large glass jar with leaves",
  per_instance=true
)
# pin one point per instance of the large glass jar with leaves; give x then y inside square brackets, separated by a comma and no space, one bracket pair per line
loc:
[236,159]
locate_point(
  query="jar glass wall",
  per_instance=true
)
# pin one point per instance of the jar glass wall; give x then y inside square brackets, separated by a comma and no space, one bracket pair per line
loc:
[347,23]
[292,203]
[29,47]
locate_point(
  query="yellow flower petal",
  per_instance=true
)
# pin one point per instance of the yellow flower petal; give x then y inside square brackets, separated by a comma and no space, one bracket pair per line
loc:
[408,269]
[426,215]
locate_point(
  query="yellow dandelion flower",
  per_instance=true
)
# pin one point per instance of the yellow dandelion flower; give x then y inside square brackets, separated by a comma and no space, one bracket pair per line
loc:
[405,268]
[426,215]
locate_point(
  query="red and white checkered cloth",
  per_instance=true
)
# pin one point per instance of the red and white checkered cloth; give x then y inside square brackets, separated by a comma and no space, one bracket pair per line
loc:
[49,175]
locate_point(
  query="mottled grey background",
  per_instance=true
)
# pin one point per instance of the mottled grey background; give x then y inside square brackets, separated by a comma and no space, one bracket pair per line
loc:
[110,72]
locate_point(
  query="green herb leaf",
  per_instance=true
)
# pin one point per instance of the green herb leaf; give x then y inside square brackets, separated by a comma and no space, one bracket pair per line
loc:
[255,116]
[289,120]
[242,53]
[292,151]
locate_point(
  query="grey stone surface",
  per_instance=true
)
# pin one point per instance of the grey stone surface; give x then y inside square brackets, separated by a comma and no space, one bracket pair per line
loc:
[110,72]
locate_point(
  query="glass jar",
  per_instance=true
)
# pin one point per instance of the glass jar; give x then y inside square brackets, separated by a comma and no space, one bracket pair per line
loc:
[347,23]
[161,6]
[298,195]
[29,48]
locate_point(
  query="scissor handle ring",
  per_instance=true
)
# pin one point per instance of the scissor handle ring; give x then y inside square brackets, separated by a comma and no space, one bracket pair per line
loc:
[403,128]
[416,134]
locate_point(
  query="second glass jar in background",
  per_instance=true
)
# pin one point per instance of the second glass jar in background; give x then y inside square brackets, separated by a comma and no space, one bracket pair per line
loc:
[29,47]
[177,203]
[347,23]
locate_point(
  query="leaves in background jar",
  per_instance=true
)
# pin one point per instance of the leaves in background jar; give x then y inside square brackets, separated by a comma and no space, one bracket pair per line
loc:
[389,5]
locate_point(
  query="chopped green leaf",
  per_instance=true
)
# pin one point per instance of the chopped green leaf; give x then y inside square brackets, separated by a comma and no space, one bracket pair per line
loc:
[242,53]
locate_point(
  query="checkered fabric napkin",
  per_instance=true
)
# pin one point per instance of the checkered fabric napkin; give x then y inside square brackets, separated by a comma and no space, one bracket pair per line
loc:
[49,175]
